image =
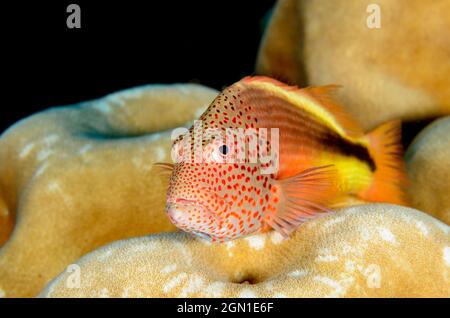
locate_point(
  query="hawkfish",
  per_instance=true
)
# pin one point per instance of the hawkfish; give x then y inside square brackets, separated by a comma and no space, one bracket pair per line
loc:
[323,159]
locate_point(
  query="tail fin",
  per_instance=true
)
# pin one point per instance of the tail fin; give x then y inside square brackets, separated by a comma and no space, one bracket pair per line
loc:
[389,181]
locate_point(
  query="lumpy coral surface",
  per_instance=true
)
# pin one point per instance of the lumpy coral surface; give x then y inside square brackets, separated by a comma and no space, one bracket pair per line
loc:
[397,71]
[373,250]
[75,178]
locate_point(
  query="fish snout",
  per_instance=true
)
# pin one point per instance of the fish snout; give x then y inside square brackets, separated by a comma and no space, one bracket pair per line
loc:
[174,214]
[177,214]
[182,212]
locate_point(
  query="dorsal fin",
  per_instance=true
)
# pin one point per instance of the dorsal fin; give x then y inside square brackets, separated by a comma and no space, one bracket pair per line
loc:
[317,100]
[324,95]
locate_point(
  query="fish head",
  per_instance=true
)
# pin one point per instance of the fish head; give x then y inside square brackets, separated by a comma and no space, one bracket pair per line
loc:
[220,192]
[215,199]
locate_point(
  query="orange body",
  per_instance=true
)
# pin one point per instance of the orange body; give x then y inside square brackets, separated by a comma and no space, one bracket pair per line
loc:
[322,157]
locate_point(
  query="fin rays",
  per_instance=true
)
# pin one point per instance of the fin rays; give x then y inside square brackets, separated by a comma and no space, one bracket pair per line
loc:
[305,196]
[163,168]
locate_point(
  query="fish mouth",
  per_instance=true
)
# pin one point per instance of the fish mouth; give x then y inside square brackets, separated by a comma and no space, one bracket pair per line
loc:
[184,202]
[177,206]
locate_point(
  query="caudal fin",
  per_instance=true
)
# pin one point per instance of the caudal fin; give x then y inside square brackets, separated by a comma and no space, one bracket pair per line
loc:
[389,179]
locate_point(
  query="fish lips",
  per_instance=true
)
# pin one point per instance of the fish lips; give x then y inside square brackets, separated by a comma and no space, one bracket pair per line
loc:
[179,209]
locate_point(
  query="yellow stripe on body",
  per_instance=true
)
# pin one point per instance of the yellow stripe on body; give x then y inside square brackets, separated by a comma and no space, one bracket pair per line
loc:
[353,175]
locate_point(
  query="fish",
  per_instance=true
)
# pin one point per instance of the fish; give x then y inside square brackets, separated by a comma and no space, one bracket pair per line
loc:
[323,158]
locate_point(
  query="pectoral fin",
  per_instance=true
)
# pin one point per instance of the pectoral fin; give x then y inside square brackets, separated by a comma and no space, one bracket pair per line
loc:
[303,196]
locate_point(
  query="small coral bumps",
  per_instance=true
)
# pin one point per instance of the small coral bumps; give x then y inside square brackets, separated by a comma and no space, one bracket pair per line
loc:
[398,69]
[372,250]
[75,178]
[428,164]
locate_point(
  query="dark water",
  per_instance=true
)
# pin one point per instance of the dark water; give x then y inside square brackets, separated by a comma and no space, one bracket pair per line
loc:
[121,44]
[412,128]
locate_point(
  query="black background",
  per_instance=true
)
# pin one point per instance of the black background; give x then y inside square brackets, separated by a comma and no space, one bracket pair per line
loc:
[121,44]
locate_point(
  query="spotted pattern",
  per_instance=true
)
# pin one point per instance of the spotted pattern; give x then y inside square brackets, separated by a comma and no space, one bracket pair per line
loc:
[216,199]
[218,189]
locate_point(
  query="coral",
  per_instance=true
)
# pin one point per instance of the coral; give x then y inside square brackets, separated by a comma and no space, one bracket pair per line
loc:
[372,250]
[78,177]
[400,70]
[427,161]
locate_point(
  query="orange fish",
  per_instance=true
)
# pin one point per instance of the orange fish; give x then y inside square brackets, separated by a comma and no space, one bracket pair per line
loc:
[322,155]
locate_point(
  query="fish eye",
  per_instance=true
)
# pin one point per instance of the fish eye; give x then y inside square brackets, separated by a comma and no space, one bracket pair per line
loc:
[223,149]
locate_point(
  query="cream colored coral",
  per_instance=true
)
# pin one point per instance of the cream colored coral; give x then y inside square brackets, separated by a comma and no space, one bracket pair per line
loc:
[428,164]
[371,250]
[400,70]
[75,178]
